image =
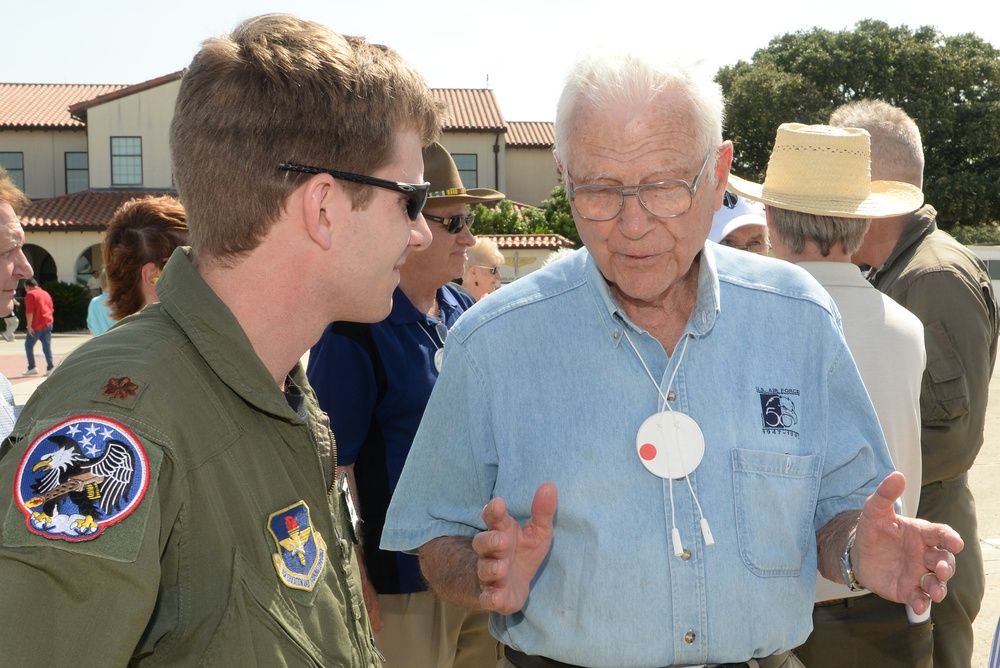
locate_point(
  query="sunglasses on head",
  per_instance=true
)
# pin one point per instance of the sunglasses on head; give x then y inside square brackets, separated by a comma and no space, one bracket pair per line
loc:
[453,224]
[416,193]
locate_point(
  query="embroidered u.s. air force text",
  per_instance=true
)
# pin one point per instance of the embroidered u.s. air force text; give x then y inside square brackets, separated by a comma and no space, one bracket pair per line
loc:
[80,477]
[301,554]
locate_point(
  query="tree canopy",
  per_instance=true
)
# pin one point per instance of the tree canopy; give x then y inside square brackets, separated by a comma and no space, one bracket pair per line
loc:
[950,86]
[553,218]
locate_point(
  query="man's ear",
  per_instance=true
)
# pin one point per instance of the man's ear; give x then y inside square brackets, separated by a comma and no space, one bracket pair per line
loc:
[724,161]
[322,205]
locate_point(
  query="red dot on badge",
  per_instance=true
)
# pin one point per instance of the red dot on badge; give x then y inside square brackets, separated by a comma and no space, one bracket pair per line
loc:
[647,451]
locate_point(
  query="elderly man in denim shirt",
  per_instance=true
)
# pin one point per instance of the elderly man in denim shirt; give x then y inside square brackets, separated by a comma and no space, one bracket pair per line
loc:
[696,408]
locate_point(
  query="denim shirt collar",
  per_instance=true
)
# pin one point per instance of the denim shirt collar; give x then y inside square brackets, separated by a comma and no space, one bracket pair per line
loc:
[703,316]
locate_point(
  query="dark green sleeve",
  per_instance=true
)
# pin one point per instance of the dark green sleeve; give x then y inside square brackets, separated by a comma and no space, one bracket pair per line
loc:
[960,338]
[76,603]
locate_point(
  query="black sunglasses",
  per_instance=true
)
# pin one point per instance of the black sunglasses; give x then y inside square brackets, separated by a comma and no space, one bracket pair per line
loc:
[453,224]
[416,193]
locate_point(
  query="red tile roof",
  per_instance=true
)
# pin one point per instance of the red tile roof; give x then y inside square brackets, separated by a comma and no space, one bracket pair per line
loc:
[79,110]
[45,106]
[52,106]
[85,210]
[531,134]
[531,241]
[471,109]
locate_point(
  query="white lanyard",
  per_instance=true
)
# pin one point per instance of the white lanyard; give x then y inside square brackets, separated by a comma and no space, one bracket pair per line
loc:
[671,445]
[441,330]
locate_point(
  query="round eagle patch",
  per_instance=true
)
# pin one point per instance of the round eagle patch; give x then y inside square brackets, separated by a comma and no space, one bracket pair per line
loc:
[80,477]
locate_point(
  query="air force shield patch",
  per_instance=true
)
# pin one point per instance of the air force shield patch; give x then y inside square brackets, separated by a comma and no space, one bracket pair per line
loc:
[301,554]
[80,477]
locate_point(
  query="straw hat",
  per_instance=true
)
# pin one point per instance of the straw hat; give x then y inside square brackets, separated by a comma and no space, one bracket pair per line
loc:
[826,171]
[446,183]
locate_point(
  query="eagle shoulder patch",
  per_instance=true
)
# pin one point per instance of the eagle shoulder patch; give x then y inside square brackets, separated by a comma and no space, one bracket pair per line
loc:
[301,553]
[80,477]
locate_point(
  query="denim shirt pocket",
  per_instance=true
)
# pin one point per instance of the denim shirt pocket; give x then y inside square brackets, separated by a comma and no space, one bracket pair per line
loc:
[775,497]
[944,394]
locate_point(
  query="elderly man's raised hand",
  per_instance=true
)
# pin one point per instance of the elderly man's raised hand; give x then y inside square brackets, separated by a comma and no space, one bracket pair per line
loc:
[509,554]
[903,559]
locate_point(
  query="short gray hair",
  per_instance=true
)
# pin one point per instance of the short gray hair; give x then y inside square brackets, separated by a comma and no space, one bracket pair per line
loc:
[795,228]
[607,80]
[897,152]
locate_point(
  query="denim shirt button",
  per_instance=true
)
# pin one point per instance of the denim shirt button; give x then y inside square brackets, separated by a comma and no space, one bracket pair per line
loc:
[689,637]
[686,555]
[671,396]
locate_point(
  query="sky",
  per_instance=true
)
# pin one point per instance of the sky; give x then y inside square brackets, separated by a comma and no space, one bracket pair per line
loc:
[521,49]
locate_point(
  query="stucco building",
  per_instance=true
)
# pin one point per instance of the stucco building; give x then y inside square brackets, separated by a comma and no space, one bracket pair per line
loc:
[80,151]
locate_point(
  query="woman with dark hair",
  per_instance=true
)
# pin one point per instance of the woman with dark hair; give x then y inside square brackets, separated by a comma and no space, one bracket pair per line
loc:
[140,237]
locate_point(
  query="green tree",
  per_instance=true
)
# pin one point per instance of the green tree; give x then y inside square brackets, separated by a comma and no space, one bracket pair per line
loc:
[503,219]
[949,85]
[558,216]
[553,218]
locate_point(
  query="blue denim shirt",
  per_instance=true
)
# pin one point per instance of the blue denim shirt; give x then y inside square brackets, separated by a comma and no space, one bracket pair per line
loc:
[540,384]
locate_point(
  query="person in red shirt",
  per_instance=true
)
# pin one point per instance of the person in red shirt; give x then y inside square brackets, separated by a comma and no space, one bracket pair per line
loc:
[38,317]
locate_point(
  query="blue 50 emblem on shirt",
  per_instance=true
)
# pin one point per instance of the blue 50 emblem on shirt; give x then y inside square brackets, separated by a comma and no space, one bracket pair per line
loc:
[80,477]
[778,412]
[301,551]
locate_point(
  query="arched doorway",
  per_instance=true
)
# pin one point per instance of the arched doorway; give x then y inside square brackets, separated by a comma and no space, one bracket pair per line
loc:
[41,263]
[90,260]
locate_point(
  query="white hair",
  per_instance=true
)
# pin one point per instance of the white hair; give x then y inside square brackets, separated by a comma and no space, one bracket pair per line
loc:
[897,152]
[608,79]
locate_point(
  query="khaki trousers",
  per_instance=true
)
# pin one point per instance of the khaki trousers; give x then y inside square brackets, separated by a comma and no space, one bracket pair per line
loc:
[863,632]
[422,631]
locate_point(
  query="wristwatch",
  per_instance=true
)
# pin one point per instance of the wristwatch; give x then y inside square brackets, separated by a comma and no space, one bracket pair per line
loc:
[846,568]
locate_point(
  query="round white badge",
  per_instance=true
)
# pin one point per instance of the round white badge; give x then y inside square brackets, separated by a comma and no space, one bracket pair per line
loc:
[438,359]
[670,444]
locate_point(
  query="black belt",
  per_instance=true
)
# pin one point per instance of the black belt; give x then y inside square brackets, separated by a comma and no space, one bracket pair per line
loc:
[522,660]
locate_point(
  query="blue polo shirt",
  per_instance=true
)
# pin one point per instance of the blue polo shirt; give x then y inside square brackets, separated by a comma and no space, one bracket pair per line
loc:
[374,382]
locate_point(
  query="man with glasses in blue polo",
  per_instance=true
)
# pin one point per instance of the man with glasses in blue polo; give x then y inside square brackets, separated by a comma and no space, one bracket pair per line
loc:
[374,381]
[637,456]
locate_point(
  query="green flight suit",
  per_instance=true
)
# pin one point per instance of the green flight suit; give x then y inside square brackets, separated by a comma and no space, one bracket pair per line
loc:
[194,574]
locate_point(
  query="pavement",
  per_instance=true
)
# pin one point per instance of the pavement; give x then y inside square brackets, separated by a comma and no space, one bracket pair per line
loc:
[983,478]
[13,361]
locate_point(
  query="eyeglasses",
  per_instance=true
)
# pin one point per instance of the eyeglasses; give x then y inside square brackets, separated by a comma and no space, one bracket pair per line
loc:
[453,224]
[756,246]
[664,199]
[416,193]
[492,270]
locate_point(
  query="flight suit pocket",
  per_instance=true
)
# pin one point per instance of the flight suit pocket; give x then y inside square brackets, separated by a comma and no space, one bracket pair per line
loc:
[775,497]
[944,394]
[259,628]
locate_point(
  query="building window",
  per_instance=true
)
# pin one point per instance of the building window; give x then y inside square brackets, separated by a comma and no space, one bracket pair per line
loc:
[126,161]
[993,266]
[468,168]
[14,164]
[77,172]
